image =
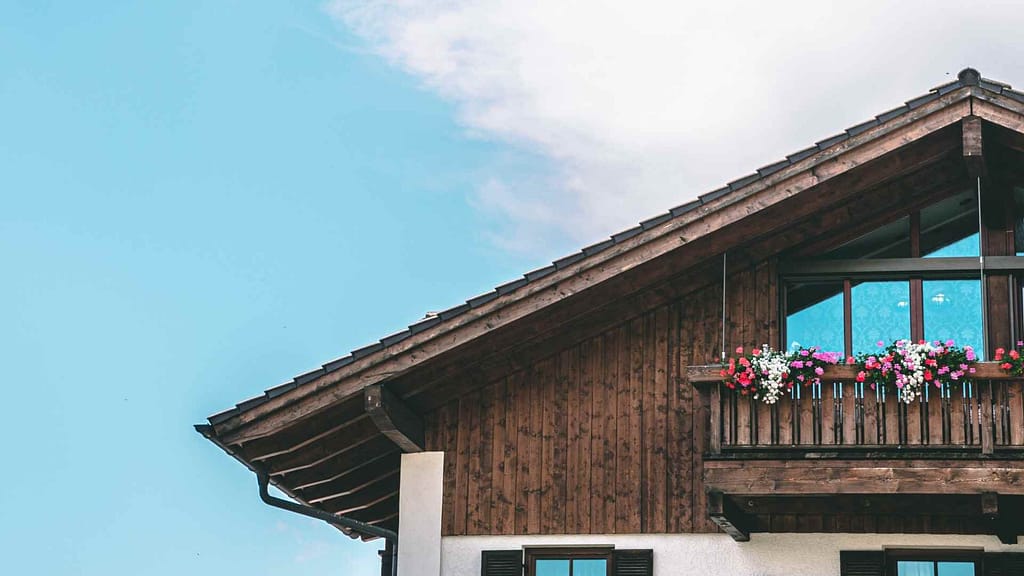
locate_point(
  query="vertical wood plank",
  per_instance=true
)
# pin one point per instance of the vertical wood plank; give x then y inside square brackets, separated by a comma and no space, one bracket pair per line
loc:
[597,411]
[634,475]
[871,435]
[625,481]
[956,417]
[511,456]
[680,438]
[501,507]
[462,478]
[546,381]
[573,496]
[450,443]
[473,503]
[659,483]
[535,452]
[520,381]
[609,376]
[486,459]
[647,479]
[586,391]
[849,413]
[560,444]
[1016,414]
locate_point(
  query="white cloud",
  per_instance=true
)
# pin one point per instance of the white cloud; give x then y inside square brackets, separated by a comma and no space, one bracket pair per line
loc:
[641,106]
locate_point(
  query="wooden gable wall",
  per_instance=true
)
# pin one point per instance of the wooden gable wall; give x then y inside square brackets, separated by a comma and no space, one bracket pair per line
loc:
[604,436]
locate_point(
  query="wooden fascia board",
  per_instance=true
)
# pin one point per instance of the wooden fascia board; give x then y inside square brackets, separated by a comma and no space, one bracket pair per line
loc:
[401,357]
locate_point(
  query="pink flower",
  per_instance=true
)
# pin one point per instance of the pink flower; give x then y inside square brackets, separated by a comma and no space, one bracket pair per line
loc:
[819,371]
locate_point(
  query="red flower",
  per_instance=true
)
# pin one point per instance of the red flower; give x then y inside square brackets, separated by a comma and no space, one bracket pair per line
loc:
[1014,354]
[1006,365]
[860,376]
[928,376]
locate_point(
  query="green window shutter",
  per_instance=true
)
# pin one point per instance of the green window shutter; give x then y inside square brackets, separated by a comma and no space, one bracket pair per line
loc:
[1004,564]
[862,563]
[501,563]
[633,563]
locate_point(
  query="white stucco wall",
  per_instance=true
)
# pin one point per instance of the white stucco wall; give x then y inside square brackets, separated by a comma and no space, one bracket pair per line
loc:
[706,554]
[419,514]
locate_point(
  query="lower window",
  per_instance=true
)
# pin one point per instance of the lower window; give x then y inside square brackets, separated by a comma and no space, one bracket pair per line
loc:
[569,562]
[933,563]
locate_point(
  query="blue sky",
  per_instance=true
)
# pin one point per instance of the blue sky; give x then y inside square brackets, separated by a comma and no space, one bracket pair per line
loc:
[198,202]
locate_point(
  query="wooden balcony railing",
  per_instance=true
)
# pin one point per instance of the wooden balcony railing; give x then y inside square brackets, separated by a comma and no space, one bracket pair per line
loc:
[980,417]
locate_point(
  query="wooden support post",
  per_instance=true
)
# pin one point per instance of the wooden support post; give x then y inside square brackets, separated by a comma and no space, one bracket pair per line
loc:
[726,516]
[985,406]
[393,418]
[973,146]
[715,441]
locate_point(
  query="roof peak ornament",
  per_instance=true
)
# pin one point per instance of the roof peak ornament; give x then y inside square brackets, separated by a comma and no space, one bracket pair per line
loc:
[969,77]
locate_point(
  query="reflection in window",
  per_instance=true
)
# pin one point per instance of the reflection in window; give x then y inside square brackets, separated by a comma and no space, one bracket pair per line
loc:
[880,313]
[952,311]
[932,568]
[571,567]
[815,316]
[965,247]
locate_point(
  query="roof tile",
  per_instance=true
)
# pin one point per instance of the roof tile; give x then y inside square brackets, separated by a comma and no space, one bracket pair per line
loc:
[714,195]
[510,286]
[627,234]
[741,182]
[772,168]
[656,221]
[805,153]
[832,141]
[684,208]
[599,247]
[482,299]
[539,273]
[862,127]
[569,260]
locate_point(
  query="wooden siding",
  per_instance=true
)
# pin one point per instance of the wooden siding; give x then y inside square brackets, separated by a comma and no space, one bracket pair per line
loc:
[598,438]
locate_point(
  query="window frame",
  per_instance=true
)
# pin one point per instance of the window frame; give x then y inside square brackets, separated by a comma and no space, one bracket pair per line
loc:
[934,555]
[568,553]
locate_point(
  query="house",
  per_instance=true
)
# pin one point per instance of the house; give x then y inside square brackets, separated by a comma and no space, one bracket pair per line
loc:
[574,421]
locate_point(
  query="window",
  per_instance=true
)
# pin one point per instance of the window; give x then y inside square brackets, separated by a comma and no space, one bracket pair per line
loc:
[592,561]
[933,562]
[568,562]
[929,562]
[917,277]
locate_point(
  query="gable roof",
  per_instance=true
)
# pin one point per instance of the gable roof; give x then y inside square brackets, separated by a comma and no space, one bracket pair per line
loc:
[814,167]
[631,238]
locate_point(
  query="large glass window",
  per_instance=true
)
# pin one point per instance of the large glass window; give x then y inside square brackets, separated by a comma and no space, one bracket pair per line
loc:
[853,297]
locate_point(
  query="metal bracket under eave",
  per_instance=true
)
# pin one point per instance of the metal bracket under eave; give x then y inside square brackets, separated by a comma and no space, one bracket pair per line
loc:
[728,517]
[394,418]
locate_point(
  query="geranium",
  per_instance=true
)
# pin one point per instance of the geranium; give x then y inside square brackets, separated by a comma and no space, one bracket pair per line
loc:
[807,365]
[909,367]
[1012,361]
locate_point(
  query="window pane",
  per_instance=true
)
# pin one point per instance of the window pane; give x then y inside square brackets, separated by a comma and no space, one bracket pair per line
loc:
[915,568]
[965,247]
[949,228]
[815,316]
[593,567]
[889,241]
[956,569]
[881,313]
[552,567]
[952,311]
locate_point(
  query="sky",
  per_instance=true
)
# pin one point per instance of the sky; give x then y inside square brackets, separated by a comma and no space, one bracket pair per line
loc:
[200,200]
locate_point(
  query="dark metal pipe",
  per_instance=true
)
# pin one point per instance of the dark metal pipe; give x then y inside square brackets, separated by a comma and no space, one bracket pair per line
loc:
[333,519]
[391,548]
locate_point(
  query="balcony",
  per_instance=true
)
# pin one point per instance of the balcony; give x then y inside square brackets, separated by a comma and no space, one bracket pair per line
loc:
[844,449]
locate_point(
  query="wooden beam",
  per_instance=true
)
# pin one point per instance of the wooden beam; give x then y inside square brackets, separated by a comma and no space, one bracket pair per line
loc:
[338,464]
[374,470]
[880,146]
[728,517]
[306,431]
[393,418]
[338,442]
[811,477]
[973,146]
[364,497]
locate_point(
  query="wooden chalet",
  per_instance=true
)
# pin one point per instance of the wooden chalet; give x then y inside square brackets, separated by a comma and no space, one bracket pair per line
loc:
[574,421]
